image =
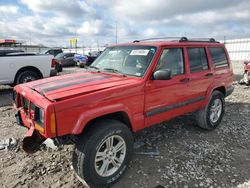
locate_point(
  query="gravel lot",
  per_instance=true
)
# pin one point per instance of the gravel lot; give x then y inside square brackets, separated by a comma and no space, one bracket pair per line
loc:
[176,153]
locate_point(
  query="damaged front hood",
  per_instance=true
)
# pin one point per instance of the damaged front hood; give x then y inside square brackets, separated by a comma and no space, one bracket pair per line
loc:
[63,87]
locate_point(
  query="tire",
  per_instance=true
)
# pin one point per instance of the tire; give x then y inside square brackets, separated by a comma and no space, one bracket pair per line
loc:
[95,140]
[210,117]
[59,68]
[27,76]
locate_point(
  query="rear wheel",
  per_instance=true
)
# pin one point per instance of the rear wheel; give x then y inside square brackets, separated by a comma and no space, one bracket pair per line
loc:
[210,117]
[27,76]
[59,67]
[102,155]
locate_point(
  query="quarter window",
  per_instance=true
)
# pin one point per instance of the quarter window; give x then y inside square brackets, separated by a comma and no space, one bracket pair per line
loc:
[197,59]
[172,59]
[219,58]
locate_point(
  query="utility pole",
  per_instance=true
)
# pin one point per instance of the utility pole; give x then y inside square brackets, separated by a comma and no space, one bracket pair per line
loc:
[30,38]
[116,40]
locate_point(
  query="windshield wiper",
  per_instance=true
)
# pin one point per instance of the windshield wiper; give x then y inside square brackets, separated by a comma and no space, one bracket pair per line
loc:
[113,71]
[94,67]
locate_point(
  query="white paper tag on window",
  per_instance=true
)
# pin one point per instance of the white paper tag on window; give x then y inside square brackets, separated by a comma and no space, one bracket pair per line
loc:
[138,74]
[139,52]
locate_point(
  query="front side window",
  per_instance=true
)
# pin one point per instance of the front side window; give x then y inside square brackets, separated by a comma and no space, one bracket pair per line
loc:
[219,58]
[172,59]
[128,60]
[197,59]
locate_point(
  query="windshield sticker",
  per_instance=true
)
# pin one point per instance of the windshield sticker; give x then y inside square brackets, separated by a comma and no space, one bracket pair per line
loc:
[138,74]
[139,52]
[138,66]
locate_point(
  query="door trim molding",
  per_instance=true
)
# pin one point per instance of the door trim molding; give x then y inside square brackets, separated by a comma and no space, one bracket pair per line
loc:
[174,106]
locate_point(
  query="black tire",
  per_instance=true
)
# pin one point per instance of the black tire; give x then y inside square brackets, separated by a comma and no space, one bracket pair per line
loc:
[59,68]
[82,65]
[203,116]
[26,76]
[89,143]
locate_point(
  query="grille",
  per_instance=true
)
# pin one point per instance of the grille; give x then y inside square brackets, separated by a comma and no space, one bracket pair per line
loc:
[25,104]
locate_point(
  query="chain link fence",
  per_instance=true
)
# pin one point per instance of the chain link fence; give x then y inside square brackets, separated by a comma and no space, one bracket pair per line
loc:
[238,49]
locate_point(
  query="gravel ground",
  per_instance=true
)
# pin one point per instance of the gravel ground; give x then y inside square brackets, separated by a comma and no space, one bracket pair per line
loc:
[176,153]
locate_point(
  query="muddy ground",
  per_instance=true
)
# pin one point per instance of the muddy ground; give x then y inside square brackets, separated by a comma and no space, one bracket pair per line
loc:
[184,155]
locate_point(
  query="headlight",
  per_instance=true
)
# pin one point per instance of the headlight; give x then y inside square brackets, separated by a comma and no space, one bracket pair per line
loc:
[39,116]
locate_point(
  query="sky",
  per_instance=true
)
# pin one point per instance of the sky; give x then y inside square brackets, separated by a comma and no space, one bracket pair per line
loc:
[95,22]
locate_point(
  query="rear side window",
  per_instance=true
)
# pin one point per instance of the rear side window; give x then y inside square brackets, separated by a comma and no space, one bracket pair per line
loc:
[219,58]
[197,59]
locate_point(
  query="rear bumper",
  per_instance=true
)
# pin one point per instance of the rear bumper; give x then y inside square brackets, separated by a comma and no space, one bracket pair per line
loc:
[53,72]
[229,90]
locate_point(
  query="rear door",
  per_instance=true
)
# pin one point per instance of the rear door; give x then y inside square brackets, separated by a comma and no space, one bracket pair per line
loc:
[220,62]
[200,74]
[6,76]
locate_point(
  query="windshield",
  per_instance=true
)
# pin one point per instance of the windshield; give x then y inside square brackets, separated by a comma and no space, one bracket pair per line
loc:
[127,60]
[43,51]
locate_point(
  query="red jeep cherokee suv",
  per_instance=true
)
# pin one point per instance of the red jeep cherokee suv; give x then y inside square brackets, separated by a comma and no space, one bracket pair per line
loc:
[129,87]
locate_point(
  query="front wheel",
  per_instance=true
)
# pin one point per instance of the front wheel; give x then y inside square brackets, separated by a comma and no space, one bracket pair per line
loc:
[210,117]
[102,155]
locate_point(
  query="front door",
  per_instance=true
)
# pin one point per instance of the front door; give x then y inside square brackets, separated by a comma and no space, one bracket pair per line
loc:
[165,99]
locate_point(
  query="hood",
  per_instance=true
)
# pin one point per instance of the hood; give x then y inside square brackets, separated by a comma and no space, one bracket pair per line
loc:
[63,87]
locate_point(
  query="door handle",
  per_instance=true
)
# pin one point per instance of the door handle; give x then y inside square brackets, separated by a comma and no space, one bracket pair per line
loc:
[184,80]
[208,74]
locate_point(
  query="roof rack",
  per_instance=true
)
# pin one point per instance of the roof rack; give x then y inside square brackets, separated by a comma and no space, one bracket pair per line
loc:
[159,38]
[200,40]
[180,39]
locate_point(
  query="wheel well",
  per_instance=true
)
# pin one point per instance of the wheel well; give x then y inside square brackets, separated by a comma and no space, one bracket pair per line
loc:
[221,89]
[119,116]
[28,68]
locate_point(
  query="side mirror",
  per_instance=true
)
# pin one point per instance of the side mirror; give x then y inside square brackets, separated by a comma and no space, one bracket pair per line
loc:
[164,74]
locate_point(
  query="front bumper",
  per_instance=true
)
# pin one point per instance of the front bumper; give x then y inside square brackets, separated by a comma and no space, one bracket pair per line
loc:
[33,139]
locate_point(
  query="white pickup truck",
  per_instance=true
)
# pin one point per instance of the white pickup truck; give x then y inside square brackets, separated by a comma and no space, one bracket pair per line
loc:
[16,68]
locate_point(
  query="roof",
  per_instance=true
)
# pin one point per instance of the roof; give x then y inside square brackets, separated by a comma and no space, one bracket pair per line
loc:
[175,41]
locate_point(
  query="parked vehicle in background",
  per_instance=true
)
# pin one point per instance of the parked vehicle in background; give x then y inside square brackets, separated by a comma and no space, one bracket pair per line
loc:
[92,56]
[246,75]
[66,59]
[5,52]
[21,54]
[128,88]
[20,67]
[52,51]
[57,64]
[81,60]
